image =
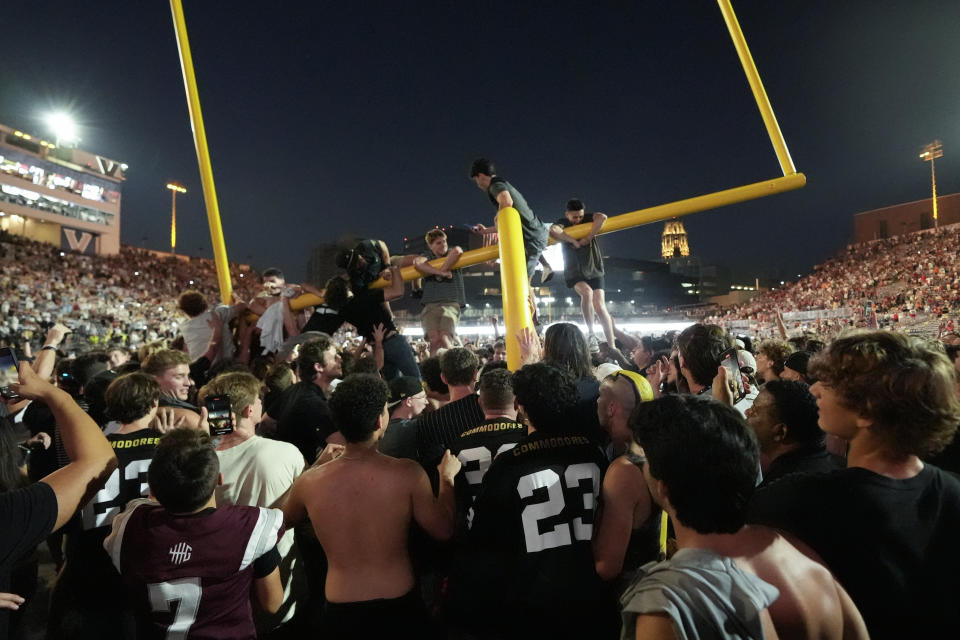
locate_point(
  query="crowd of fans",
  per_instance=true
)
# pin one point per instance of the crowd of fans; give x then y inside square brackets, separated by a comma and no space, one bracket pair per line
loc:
[255,470]
[910,281]
[124,300]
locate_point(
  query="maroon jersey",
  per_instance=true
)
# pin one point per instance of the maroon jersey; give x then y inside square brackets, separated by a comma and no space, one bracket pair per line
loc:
[192,574]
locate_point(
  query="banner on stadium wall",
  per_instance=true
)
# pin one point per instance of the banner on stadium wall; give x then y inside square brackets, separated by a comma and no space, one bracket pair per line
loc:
[819,314]
[78,241]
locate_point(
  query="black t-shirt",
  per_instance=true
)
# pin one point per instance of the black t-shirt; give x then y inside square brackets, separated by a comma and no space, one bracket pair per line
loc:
[303,418]
[365,310]
[891,543]
[399,439]
[813,459]
[531,536]
[175,403]
[323,319]
[360,277]
[581,263]
[438,430]
[27,517]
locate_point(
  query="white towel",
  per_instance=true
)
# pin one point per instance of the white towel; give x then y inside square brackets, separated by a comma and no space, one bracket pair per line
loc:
[271,328]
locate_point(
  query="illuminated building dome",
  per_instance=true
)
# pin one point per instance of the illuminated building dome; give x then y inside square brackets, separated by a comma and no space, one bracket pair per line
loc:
[674,240]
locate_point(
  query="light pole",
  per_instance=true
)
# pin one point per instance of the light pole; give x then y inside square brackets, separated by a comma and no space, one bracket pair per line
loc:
[174,189]
[930,153]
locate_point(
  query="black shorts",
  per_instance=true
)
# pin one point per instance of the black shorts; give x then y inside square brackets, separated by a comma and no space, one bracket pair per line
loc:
[377,618]
[595,283]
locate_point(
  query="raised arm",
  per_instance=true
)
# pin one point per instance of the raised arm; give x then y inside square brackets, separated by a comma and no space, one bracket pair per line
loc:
[92,458]
[47,358]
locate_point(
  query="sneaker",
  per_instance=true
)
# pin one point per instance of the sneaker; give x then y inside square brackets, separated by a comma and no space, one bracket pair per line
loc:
[546,275]
[593,343]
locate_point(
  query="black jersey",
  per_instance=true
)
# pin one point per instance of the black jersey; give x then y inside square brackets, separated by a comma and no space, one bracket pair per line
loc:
[477,447]
[89,599]
[87,530]
[531,536]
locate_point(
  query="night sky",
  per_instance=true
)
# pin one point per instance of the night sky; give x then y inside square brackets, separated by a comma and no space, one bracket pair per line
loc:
[325,119]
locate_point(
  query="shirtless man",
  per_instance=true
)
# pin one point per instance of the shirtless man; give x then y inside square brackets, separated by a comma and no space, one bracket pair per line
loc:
[361,505]
[701,467]
[627,531]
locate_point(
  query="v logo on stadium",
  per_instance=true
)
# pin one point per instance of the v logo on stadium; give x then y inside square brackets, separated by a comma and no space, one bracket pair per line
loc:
[77,243]
[180,553]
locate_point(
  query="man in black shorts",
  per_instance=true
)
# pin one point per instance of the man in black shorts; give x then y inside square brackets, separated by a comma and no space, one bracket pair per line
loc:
[583,267]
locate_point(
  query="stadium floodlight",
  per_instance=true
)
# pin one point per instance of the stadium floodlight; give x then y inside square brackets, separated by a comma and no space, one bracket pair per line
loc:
[174,189]
[64,128]
[930,153]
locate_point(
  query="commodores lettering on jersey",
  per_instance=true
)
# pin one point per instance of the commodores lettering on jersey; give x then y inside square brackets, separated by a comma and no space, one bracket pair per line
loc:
[136,442]
[533,525]
[476,448]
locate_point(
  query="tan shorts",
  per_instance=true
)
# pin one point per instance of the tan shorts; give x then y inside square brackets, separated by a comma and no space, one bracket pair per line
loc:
[440,316]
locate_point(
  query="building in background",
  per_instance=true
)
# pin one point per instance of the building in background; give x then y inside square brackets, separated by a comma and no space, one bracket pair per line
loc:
[59,195]
[905,218]
[673,240]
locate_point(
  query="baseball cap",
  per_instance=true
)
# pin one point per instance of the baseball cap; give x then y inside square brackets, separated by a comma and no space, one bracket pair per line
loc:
[402,388]
[747,361]
[798,361]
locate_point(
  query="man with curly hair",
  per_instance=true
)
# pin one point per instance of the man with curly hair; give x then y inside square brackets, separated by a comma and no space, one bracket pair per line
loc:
[533,522]
[362,505]
[887,524]
[771,356]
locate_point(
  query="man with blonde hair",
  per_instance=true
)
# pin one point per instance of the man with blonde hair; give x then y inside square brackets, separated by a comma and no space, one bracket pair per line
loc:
[442,294]
[171,368]
[257,472]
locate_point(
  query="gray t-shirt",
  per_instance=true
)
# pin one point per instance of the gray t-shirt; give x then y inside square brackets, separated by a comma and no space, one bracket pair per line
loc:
[706,595]
[442,290]
[535,234]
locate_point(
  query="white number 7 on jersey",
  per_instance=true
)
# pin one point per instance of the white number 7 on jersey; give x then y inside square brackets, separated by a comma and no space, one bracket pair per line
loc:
[186,592]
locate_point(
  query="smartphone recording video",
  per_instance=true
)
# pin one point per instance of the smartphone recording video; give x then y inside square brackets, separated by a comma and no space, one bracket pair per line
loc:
[8,372]
[731,363]
[218,415]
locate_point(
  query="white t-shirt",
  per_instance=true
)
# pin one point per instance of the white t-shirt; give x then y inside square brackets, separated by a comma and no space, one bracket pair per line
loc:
[258,473]
[196,332]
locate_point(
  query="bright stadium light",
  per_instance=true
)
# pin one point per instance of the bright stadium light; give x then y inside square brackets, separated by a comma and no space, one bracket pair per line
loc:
[63,126]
